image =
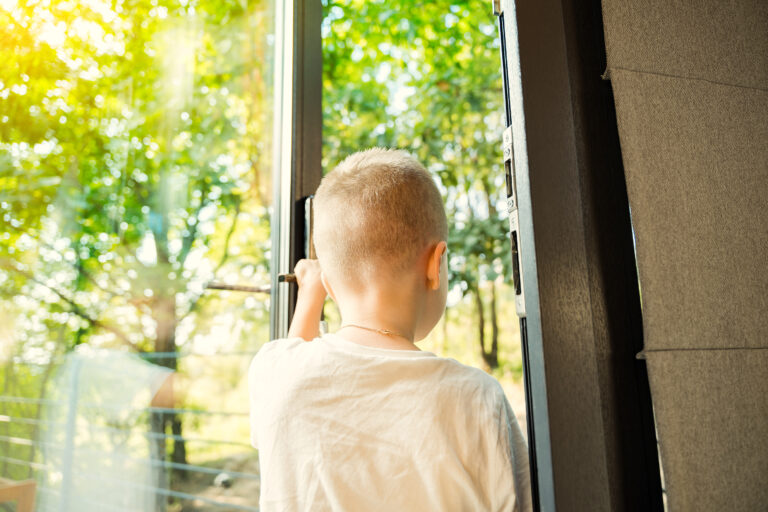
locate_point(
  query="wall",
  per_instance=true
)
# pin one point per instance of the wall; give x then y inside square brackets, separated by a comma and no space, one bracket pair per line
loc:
[691,90]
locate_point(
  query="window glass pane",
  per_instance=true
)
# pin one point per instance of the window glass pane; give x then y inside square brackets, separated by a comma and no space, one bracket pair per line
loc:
[135,170]
[426,77]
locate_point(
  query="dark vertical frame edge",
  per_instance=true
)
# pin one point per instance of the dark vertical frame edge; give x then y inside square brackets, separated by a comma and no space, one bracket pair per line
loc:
[298,144]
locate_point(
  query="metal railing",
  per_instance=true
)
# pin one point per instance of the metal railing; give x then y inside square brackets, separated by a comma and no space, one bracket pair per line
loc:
[53,460]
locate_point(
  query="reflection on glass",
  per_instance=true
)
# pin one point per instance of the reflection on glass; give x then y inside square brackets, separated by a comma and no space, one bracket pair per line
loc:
[135,163]
[93,433]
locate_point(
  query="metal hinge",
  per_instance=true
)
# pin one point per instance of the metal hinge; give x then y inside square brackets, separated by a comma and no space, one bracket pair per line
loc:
[514,225]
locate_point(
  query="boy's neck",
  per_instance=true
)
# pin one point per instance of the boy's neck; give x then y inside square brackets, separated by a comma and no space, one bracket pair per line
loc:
[370,338]
[394,307]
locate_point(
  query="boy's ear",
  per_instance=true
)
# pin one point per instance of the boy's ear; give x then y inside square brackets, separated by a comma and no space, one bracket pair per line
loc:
[433,265]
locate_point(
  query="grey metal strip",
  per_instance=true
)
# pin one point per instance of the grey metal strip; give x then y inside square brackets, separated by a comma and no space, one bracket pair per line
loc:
[531,332]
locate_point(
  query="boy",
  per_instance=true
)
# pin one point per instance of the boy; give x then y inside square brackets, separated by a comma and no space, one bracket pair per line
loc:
[362,420]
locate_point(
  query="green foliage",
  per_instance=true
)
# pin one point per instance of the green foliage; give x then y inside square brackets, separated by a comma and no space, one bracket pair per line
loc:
[133,137]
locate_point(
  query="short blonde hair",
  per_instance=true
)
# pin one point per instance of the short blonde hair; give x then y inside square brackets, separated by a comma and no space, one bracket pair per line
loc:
[374,213]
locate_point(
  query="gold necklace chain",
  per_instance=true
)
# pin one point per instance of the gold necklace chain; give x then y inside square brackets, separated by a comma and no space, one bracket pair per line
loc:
[385,332]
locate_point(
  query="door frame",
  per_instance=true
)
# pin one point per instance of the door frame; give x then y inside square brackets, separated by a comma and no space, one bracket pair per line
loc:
[591,420]
[297,147]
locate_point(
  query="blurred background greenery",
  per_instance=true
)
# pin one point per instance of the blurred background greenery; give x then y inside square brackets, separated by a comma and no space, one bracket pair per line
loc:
[135,167]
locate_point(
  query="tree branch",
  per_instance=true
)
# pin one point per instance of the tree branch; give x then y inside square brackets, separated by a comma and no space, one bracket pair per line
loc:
[74,306]
[81,269]
[230,232]
[186,244]
[224,258]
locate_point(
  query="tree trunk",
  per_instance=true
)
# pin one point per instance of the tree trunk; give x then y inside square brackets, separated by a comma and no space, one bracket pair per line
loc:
[480,322]
[179,454]
[164,313]
[493,355]
[490,357]
[157,428]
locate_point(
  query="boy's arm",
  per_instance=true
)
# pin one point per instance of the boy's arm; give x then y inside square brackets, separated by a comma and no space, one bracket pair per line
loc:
[309,302]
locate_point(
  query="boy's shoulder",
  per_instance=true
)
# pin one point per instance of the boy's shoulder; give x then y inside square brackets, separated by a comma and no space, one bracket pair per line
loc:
[477,379]
[279,345]
[450,373]
[277,349]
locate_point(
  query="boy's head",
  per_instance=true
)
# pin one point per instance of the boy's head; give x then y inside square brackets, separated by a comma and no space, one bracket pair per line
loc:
[375,215]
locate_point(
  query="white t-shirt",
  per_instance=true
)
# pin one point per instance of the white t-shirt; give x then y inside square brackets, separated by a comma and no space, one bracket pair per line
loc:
[345,427]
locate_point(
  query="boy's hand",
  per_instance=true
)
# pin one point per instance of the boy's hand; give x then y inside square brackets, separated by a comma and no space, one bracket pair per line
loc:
[309,302]
[308,278]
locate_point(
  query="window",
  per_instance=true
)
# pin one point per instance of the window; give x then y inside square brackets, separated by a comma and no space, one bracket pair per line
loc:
[135,170]
[137,147]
